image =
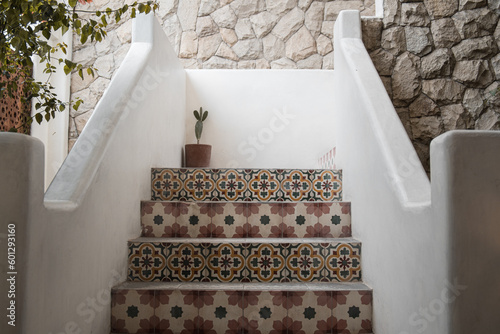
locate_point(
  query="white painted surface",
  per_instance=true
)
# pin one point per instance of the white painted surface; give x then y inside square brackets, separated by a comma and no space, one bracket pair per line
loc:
[54,134]
[466,180]
[416,255]
[263,118]
[77,245]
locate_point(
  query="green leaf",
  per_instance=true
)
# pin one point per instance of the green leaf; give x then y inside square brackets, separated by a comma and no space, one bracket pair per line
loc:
[205,115]
[196,115]
[72,3]
[12,129]
[67,70]
[133,14]
[198,129]
[39,118]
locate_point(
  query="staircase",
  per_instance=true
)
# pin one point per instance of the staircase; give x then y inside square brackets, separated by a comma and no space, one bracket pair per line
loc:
[244,251]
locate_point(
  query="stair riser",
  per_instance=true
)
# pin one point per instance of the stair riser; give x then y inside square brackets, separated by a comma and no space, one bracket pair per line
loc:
[245,220]
[181,311]
[245,185]
[244,262]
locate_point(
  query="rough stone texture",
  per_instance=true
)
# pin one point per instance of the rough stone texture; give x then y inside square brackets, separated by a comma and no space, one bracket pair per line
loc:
[248,49]
[443,91]
[437,64]
[218,62]
[475,23]
[441,8]
[324,45]
[405,79]
[383,61]
[207,46]
[301,45]
[477,48]
[244,29]
[423,106]
[372,33]
[471,4]
[206,26]
[473,102]
[444,33]
[418,40]
[289,24]
[314,18]
[455,117]
[225,17]
[282,6]
[189,44]
[439,84]
[414,14]
[495,65]
[228,36]
[474,73]
[263,23]
[188,13]
[283,63]
[274,48]
[490,120]
[333,8]
[313,62]
[426,128]
[394,40]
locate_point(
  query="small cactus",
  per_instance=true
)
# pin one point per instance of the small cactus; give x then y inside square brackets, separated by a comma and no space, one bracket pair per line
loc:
[200,117]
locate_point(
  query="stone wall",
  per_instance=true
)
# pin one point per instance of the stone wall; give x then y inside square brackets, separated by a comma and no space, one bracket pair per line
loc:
[439,59]
[237,34]
[440,63]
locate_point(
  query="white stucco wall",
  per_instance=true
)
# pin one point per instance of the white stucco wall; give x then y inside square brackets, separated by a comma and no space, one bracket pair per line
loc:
[78,231]
[263,118]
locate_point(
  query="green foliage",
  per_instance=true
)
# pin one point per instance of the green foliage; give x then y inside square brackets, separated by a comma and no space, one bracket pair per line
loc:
[26,28]
[200,117]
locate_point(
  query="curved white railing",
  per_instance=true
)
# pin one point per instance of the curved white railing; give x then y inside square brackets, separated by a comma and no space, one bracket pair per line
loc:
[415,235]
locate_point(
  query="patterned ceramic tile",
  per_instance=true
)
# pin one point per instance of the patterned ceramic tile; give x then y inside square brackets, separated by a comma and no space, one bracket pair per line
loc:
[226,262]
[195,220]
[337,216]
[244,262]
[147,261]
[343,262]
[132,311]
[186,262]
[353,312]
[246,185]
[229,220]
[266,262]
[177,311]
[217,309]
[241,311]
[263,310]
[305,262]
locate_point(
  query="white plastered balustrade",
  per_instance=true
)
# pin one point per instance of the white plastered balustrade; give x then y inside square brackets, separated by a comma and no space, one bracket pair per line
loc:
[428,248]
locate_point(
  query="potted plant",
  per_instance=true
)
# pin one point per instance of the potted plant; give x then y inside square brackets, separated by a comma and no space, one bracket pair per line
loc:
[198,155]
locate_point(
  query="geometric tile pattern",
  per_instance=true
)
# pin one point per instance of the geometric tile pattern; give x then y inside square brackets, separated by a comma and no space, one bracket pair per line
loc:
[241,311]
[288,185]
[244,261]
[245,219]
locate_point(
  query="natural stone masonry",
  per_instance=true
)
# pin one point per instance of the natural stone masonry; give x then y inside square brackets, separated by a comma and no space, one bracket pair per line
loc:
[221,34]
[224,264]
[421,49]
[439,62]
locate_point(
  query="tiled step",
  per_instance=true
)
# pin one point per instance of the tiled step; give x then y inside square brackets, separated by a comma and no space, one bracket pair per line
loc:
[241,308]
[289,185]
[246,219]
[245,260]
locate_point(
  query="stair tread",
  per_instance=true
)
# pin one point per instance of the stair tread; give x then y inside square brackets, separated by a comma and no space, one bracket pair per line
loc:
[246,240]
[321,286]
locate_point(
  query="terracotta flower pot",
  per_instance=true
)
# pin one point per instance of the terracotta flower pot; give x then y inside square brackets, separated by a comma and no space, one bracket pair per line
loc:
[198,155]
